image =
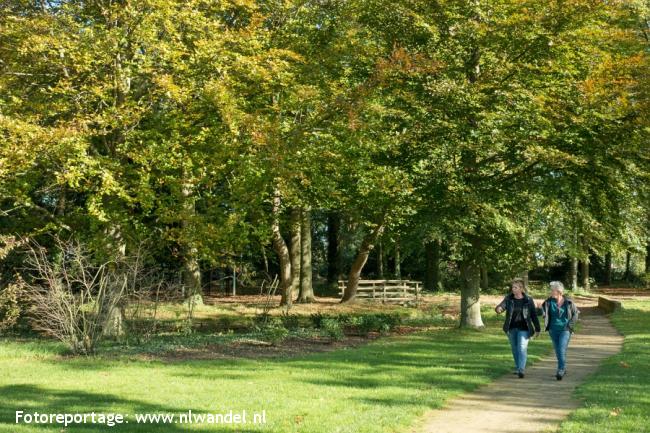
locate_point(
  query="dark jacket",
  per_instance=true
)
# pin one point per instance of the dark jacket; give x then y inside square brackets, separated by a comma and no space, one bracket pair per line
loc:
[572,313]
[530,313]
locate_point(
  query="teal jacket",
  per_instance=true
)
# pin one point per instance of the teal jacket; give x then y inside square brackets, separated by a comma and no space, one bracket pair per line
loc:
[572,313]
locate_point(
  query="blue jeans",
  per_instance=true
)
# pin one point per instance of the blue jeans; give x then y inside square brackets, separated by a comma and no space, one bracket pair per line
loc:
[560,341]
[519,344]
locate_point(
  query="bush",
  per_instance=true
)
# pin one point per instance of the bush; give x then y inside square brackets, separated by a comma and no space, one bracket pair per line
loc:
[348,320]
[271,329]
[332,328]
[380,322]
[183,325]
[316,319]
[9,306]
[72,297]
[642,281]
[392,320]
[370,323]
[150,288]
[274,332]
[262,319]
[290,321]
[645,280]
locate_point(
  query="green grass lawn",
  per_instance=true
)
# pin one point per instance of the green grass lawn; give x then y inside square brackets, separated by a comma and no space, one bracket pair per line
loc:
[380,387]
[617,397]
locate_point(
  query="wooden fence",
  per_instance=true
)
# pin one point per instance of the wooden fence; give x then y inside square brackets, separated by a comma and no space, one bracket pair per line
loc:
[386,290]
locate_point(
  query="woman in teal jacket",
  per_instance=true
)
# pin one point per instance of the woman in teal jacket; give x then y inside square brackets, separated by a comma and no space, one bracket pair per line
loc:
[560,317]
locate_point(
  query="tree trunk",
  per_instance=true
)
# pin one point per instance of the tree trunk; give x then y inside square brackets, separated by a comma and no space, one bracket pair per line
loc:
[484,278]
[470,306]
[380,260]
[192,276]
[432,273]
[607,279]
[61,202]
[114,325]
[306,289]
[573,273]
[191,268]
[360,260]
[437,281]
[295,248]
[647,258]
[234,279]
[398,260]
[585,274]
[333,249]
[265,259]
[524,277]
[280,247]
[628,266]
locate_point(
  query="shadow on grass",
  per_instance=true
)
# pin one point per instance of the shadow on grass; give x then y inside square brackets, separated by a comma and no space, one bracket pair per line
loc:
[438,363]
[616,396]
[31,399]
[418,369]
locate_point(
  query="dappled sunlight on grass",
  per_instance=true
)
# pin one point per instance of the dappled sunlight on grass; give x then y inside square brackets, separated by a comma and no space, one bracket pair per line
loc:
[381,386]
[616,397]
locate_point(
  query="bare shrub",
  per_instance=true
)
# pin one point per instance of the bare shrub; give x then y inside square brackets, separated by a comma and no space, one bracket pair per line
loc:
[147,289]
[70,297]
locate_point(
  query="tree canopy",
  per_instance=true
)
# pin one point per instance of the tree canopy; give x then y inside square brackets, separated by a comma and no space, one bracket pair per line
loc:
[510,130]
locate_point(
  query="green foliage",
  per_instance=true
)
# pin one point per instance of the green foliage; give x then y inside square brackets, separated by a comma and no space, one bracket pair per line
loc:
[330,327]
[274,332]
[260,320]
[290,321]
[516,132]
[371,322]
[378,322]
[274,329]
[643,281]
[316,319]
[183,325]
[10,309]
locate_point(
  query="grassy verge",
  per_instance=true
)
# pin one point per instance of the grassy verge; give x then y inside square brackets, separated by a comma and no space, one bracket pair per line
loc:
[617,397]
[380,387]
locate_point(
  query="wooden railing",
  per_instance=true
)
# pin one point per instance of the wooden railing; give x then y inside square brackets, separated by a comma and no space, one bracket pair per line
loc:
[386,290]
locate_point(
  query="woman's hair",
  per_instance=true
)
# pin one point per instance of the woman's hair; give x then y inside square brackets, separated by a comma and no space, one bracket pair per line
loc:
[557,285]
[518,282]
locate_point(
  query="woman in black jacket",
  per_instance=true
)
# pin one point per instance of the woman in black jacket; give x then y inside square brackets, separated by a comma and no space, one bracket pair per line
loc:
[521,323]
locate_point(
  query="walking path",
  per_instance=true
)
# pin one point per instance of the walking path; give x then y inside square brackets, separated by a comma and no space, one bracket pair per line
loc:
[537,403]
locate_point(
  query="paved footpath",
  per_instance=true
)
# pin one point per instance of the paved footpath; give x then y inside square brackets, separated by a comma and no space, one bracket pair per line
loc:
[537,403]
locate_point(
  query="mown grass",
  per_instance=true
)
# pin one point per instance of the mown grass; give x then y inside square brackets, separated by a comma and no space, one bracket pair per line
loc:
[380,387]
[617,397]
